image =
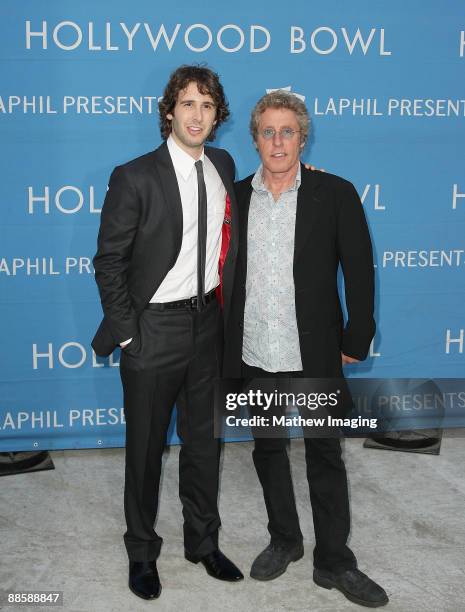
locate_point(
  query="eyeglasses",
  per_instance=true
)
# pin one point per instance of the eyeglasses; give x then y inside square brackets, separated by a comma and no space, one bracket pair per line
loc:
[285,133]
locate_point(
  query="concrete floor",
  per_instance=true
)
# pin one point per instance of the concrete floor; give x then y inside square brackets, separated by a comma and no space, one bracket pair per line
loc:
[61,530]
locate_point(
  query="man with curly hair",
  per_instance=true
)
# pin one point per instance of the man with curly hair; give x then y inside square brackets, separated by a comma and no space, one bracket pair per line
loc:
[167,237]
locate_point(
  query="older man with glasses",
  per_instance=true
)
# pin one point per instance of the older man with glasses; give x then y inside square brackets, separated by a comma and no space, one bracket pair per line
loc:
[295,228]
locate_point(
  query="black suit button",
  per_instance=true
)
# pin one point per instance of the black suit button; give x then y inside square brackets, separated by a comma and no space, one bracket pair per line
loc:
[241,325]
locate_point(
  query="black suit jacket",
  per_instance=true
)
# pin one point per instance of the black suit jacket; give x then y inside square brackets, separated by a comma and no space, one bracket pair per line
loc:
[330,229]
[140,238]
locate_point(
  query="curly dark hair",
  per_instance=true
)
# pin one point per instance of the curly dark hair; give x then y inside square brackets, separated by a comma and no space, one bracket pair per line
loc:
[208,83]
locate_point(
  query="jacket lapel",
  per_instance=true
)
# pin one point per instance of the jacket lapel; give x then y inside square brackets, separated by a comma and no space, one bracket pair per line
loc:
[230,233]
[229,186]
[244,194]
[308,209]
[169,186]
[224,176]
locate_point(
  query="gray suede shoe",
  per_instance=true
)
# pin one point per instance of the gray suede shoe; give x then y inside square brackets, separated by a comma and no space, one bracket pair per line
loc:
[355,585]
[273,561]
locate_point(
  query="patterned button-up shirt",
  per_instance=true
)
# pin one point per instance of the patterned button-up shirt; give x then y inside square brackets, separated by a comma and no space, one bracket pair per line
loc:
[271,339]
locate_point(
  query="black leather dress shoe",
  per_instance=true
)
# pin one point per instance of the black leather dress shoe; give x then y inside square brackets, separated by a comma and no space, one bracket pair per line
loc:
[143,579]
[273,561]
[218,566]
[355,585]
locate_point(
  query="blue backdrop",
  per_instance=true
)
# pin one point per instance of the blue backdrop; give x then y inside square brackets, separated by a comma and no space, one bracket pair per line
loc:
[384,83]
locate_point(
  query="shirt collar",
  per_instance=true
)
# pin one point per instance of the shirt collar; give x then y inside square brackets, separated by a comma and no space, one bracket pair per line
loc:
[258,184]
[182,161]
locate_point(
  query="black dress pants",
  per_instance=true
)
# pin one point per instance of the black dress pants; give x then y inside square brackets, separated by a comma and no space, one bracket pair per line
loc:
[327,481]
[174,359]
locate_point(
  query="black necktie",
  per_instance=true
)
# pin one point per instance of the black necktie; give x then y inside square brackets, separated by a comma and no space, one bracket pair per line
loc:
[201,235]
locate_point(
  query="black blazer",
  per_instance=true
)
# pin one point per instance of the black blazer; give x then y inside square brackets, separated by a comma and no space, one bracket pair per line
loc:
[330,229]
[140,238]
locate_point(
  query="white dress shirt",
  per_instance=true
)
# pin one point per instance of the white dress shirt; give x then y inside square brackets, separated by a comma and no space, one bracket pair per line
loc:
[181,280]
